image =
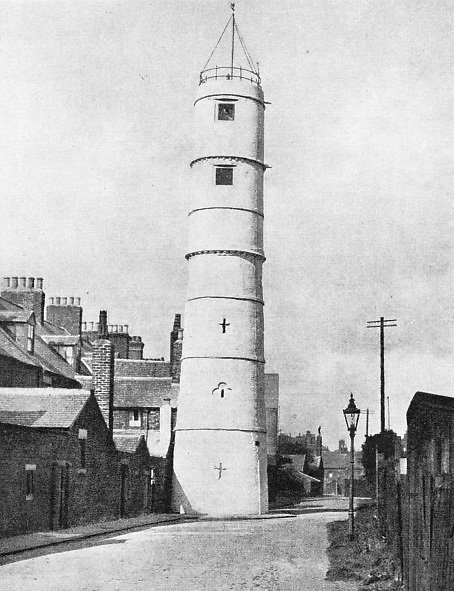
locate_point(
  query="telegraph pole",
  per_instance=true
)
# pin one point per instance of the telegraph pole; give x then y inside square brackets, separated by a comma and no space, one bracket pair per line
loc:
[368,412]
[382,324]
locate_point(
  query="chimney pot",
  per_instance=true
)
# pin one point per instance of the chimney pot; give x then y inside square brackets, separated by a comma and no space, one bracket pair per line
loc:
[14,282]
[102,326]
[64,301]
[31,282]
[84,326]
[6,282]
[51,301]
[115,327]
[57,301]
[71,301]
[120,328]
[23,282]
[39,283]
[77,301]
[127,328]
[91,326]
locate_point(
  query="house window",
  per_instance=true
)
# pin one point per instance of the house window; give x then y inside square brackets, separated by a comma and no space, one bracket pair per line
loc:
[30,481]
[83,448]
[31,338]
[154,421]
[135,418]
[226,112]
[224,175]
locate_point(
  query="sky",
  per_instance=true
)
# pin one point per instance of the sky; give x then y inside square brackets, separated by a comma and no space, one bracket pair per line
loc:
[96,114]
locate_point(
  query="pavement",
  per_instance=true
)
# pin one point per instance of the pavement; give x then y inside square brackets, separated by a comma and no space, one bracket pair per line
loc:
[33,541]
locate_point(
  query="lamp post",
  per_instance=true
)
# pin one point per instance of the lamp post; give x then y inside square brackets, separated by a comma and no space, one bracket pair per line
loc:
[351,414]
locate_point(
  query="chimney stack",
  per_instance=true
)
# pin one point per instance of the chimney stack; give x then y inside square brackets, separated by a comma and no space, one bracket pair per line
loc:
[176,345]
[136,348]
[26,293]
[103,367]
[102,325]
[68,316]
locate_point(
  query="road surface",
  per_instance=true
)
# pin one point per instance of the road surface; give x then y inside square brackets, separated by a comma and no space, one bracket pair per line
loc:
[273,554]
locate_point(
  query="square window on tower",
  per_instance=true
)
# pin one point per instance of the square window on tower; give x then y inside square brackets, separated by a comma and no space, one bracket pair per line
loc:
[226,112]
[224,175]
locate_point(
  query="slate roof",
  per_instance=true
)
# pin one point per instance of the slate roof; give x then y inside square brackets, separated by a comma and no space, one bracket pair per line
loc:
[50,360]
[142,368]
[298,461]
[42,407]
[127,443]
[425,400]
[43,356]
[334,460]
[47,328]
[135,392]
[10,348]
[15,316]
[60,339]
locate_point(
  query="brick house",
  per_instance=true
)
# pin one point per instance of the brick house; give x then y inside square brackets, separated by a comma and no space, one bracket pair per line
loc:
[59,466]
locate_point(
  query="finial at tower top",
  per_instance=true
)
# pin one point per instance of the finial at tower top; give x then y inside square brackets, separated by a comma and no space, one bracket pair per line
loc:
[241,65]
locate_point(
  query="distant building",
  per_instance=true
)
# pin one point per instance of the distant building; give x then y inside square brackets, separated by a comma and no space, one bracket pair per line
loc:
[337,469]
[305,470]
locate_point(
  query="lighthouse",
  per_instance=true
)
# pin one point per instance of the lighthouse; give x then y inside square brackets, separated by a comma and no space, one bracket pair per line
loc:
[220,456]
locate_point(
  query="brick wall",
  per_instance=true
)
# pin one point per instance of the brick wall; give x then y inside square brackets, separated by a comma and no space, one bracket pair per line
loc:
[93,491]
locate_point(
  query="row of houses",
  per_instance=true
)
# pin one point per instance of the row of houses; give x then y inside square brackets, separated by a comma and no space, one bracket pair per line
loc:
[86,423]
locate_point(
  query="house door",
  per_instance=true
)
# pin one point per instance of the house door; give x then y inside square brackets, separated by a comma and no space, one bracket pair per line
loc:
[123,488]
[59,495]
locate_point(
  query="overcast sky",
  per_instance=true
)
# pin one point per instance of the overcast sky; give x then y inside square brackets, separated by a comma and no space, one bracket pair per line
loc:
[95,137]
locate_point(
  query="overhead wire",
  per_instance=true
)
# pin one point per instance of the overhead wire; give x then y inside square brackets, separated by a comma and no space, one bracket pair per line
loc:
[245,49]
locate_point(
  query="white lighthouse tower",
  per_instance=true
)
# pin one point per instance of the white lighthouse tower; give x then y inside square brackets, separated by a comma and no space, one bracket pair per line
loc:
[220,457]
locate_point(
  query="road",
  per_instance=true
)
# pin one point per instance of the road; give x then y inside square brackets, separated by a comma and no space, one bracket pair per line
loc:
[275,554]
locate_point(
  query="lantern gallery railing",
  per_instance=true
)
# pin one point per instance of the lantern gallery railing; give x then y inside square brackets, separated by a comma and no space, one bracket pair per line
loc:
[228,73]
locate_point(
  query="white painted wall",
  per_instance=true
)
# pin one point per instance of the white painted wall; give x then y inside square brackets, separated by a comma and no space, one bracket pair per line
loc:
[221,405]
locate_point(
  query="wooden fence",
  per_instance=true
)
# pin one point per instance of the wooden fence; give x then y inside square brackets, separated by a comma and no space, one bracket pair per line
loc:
[392,510]
[431,533]
[416,516]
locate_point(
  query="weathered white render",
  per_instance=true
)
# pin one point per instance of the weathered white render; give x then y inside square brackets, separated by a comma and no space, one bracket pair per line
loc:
[220,459]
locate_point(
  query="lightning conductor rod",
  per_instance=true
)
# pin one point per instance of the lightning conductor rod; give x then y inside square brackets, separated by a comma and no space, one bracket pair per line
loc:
[382,324]
[232,6]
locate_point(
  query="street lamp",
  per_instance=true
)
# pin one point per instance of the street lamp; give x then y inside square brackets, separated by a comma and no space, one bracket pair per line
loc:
[351,414]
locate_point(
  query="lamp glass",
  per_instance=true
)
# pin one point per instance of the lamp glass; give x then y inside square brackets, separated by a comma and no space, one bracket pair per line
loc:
[351,414]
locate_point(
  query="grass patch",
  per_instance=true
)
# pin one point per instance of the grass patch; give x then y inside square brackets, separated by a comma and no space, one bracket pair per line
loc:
[367,559]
